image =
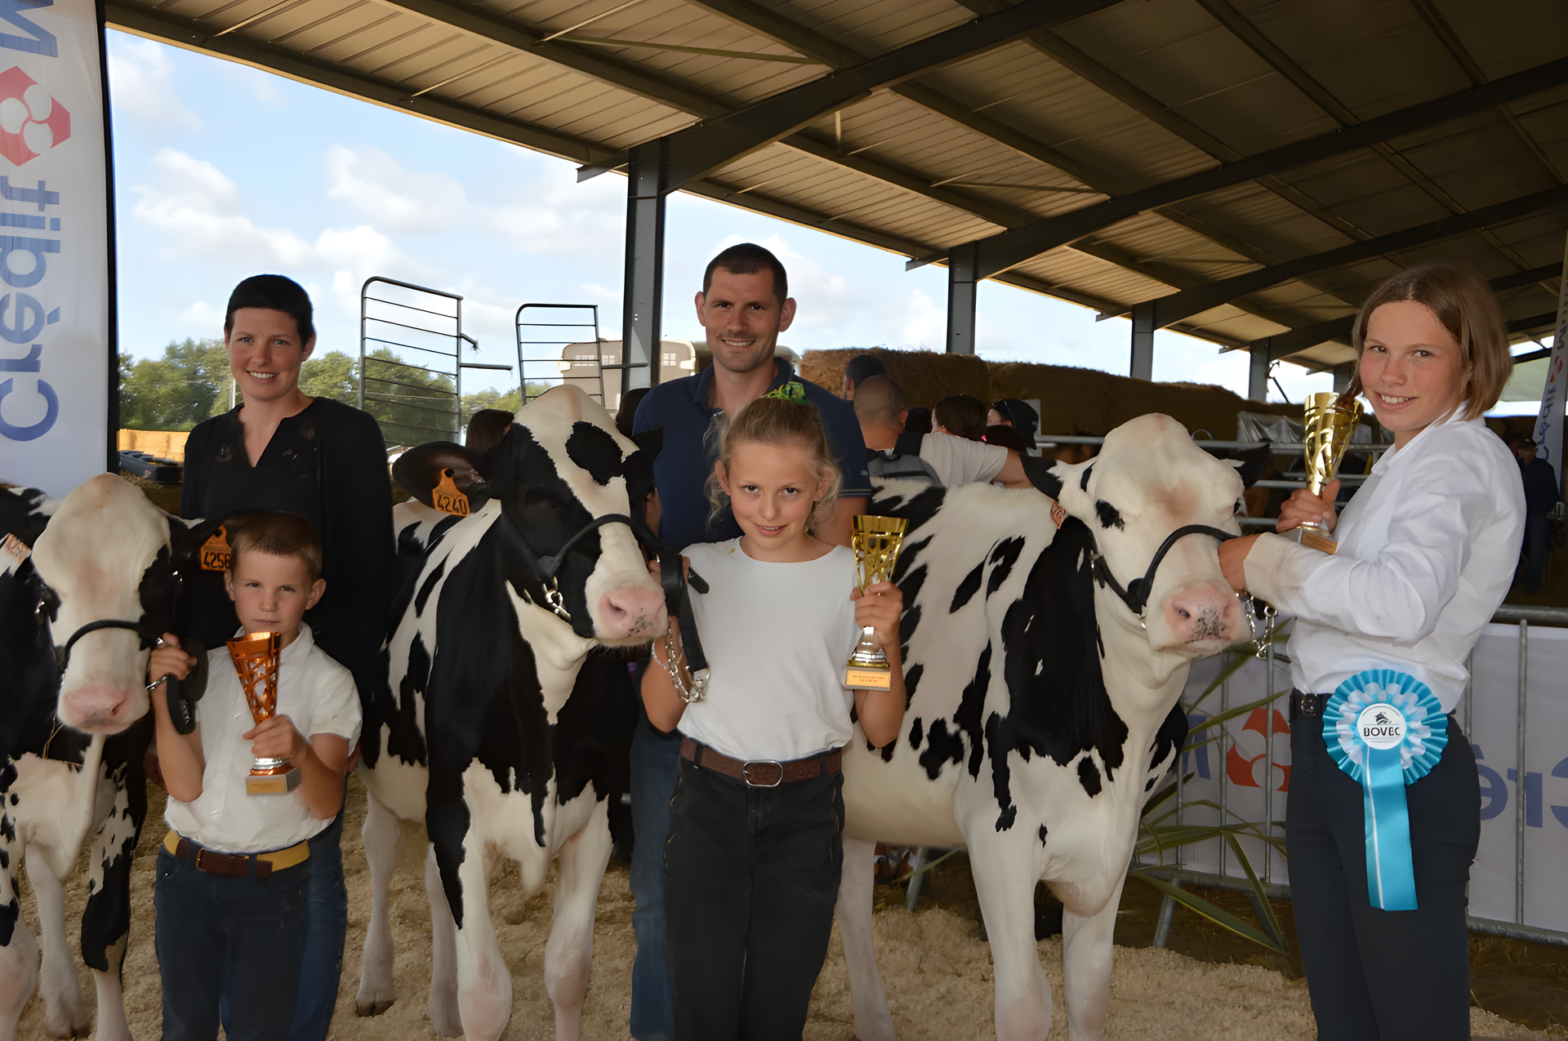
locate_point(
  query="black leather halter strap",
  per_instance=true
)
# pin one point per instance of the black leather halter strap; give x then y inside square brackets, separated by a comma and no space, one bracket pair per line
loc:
[63,655]
[677,587]
[1136,594]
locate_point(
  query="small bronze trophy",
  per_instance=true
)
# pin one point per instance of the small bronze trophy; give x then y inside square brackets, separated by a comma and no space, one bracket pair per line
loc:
[876,541]
[1329,428]
[256,657]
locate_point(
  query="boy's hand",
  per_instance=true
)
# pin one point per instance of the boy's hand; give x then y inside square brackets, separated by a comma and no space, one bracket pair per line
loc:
[277,739]
[168,660]
[880,608]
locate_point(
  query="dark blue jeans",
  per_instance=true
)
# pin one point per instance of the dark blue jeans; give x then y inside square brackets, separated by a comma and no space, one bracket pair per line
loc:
[235,940]
[654,756]
[322,965]
[1382,975]
[751,877]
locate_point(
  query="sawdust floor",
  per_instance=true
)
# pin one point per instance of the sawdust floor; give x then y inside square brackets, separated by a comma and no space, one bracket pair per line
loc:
[937,969]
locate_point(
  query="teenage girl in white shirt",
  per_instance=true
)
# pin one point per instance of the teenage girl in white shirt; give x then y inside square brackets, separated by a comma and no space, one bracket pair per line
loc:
[754,851]
[1427,549]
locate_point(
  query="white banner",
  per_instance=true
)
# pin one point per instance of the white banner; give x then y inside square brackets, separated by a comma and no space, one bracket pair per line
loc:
[1238,769]
[56,346]
[1549,425]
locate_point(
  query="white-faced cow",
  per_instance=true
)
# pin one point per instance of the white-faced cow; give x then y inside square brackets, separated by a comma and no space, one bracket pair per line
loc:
[86,586]
[501,729]
[1042,705]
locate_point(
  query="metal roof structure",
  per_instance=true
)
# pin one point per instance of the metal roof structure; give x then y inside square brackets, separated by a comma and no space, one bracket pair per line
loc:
[1240,170]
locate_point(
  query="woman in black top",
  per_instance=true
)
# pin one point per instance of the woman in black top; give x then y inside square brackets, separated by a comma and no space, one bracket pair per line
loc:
[282,450]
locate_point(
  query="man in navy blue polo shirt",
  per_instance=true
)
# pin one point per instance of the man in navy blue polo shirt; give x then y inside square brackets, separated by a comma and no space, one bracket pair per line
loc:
[743,306]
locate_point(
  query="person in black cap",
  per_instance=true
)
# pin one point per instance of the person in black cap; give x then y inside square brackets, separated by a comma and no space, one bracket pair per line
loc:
[1018,414]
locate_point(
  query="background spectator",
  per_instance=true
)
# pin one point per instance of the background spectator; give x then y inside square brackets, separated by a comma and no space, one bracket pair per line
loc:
[959,415]
[860,368]
[918,421]
[1540,497]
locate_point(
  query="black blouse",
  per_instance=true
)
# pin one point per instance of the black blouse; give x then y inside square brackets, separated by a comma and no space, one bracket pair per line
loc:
[328,464]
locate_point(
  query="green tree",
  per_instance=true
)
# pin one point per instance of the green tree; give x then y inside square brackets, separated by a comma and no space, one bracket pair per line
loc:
[334,375]
[188,384]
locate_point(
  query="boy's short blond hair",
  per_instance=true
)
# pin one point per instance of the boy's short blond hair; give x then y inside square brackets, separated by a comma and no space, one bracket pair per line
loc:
[276,533]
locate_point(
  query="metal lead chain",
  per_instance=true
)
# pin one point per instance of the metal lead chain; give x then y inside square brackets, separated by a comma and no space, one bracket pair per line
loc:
[689,687]
[1270,617]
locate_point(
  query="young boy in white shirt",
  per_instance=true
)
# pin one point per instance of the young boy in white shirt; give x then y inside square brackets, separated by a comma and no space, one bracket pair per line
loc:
[230,897]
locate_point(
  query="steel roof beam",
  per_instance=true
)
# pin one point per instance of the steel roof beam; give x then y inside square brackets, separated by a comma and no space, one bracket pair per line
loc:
[193,35]
[1018,245]
[701,149]
[1284,344]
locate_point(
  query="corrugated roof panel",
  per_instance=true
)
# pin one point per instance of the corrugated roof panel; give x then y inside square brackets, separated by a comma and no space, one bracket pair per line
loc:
[1177,53]
[1504,38]
[876,26]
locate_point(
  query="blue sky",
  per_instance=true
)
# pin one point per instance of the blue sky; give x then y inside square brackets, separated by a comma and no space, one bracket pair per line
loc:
[223,171]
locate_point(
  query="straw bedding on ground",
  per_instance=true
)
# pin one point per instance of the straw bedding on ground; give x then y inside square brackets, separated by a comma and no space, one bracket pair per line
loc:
[937,970]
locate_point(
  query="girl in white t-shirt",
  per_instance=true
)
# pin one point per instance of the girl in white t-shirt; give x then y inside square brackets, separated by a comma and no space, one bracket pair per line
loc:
[754,851]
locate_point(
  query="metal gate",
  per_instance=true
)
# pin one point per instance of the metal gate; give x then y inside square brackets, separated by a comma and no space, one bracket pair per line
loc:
[559,344]
[410,360]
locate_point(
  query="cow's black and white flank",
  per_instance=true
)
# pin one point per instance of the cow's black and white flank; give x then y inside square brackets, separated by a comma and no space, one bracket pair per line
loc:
[504,726]
[71,745]
[1042,711]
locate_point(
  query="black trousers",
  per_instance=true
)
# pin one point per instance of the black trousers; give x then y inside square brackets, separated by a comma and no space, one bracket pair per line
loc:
[238,940]
[1382,975]
[750,879]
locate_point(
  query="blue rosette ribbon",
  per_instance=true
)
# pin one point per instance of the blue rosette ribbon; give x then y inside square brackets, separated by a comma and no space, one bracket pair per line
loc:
[1386,729]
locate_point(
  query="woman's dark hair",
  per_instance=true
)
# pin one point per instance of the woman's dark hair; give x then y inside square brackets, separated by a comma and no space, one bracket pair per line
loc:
[1005,437]
[486,428]
[626,415]
[272,293]
[962,415]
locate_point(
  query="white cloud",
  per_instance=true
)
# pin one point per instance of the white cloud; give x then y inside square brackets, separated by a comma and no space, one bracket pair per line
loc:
[380,189]
[925,324]
[141,79]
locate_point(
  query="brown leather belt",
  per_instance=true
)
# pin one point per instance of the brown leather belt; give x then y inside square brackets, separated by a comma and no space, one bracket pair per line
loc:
[762,773]
[235,865]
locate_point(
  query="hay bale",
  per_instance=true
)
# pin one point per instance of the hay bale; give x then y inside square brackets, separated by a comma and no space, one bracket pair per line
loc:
[1074,399]
[926,376]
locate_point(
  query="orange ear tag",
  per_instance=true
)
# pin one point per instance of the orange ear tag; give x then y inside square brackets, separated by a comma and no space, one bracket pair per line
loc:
[215,552]
[13,551]
[446,498]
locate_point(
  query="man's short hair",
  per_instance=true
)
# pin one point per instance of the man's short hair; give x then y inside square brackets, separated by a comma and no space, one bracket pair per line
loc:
[276,533]
[862,367]
[272,293]
[748,258]
[880,401]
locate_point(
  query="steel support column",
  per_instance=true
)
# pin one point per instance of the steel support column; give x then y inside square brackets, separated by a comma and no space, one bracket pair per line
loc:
[1143,326]
[1258,372]
[644,292]
[963,289]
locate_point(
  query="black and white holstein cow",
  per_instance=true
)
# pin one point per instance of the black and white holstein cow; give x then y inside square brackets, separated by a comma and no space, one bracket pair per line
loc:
[94,576]
[1042,708]
[504,727]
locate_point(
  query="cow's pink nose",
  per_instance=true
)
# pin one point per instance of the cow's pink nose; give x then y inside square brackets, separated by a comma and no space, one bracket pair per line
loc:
[631,611]
[99,708]
[1206,611]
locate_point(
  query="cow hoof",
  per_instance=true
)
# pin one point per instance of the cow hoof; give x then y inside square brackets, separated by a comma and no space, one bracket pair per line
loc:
[372,1008]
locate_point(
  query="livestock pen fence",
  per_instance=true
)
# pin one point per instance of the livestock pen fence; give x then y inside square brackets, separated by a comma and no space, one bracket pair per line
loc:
[1235,768]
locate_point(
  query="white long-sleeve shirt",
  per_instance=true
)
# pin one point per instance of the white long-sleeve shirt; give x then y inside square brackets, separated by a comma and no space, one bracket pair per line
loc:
[1427,550]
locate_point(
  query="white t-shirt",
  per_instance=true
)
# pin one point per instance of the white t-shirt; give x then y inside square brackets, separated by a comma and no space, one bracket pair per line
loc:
[777,637]
[318,696]
[958,460]
[1427,549]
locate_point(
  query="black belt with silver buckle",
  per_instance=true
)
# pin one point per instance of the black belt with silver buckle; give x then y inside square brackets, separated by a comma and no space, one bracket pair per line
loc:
[1308,704]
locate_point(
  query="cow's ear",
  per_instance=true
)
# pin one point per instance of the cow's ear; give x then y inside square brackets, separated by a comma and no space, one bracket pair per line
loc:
[420,470]
[24,513]
[1075,496]
[186,538]
[651,442]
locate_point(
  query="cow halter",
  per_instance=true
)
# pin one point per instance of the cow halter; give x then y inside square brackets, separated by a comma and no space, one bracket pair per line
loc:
[545,567]
[1136,593]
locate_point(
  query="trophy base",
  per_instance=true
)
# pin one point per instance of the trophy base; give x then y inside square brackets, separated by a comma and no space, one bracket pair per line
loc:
[273,783]
[868,677]
[1316,538]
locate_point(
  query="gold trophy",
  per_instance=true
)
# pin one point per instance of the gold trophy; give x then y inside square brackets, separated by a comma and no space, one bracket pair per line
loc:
[1329,428]
[876,541]
[256,657]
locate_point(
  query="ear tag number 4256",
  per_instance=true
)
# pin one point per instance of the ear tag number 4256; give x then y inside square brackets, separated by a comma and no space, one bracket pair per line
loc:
[215,552]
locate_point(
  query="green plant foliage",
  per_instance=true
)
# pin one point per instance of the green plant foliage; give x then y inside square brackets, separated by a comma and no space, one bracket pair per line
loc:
[177,391]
